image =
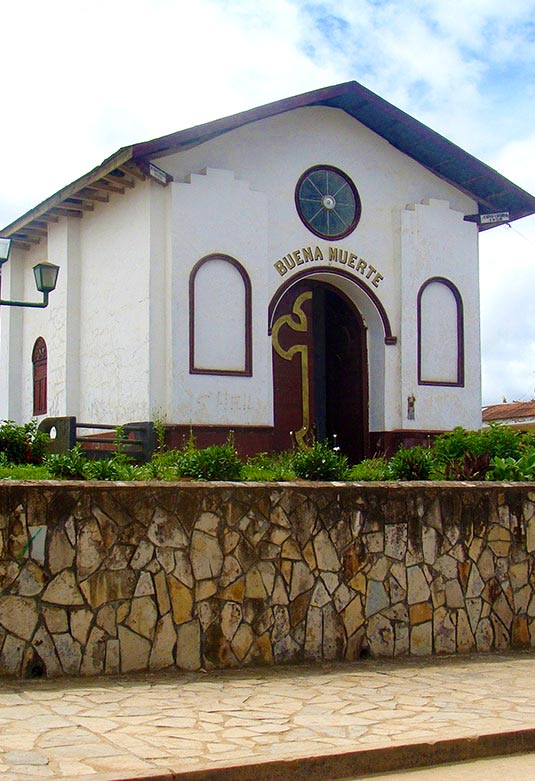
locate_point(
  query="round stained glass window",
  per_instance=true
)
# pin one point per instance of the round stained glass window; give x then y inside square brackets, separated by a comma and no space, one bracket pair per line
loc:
[327,202]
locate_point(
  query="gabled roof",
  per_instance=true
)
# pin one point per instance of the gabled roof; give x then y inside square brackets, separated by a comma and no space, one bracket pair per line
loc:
[492,191]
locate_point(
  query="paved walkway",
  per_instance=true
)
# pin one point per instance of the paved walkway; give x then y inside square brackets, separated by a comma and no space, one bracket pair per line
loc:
[346,718]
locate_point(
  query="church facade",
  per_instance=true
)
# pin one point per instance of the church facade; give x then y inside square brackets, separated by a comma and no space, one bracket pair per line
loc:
[306,268]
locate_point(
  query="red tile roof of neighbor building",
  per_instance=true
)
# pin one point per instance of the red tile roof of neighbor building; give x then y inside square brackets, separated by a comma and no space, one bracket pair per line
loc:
[512,411]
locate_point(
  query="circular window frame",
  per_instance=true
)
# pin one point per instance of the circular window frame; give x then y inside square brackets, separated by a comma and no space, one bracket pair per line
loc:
[358,205]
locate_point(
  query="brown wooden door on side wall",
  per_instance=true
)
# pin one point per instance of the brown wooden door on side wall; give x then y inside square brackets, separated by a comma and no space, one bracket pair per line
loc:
[320,369]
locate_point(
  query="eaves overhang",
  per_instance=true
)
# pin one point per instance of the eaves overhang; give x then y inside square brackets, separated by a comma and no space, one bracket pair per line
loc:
[114,176]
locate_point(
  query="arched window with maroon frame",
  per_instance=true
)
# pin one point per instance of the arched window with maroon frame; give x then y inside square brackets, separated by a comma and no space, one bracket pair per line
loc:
[440,334]
[40,370]
[220,317]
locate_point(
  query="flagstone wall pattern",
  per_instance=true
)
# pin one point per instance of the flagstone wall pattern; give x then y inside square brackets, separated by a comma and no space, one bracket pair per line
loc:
[107,578]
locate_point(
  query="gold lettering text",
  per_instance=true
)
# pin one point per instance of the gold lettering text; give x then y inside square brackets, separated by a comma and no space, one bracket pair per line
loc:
[290,262]
[299,257]
[377,278]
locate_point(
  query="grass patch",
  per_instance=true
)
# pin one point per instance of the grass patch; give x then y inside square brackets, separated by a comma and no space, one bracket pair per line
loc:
[24,472]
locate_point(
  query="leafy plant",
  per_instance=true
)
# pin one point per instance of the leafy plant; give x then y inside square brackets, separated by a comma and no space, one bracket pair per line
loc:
[269,468]
[217,462]
[497,440]
[511,469]
[157,468]
[471,467]
[159,432]
[120,439]
[73,465]
[320,461]
[116,468]
[22,444]
[69,465]
[369,470]
[468,455]
[413,463]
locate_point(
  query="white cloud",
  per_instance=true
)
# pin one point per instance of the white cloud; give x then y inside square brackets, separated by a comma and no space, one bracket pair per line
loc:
[507,323]
[507,289]
[85,78]
[427,57]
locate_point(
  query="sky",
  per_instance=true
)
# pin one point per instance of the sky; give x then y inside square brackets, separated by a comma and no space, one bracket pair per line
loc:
[81,79]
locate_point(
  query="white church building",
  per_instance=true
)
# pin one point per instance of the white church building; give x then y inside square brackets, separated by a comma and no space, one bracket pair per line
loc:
[307,266]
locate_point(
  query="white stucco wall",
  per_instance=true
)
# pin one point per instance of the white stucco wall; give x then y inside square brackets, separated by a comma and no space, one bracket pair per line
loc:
[114,310]
[268,157]
[96,326]
[214,212]
[436,241]
[117,327]
[63,341]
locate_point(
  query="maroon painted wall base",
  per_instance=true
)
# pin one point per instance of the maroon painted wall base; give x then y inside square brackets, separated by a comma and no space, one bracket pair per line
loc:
[250,440]
[386,443]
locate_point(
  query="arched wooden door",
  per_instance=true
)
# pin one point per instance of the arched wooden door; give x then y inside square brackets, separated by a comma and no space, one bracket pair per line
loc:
[320,369]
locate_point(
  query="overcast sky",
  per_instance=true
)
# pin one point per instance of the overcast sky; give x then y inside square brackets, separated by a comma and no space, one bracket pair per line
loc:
[81,79]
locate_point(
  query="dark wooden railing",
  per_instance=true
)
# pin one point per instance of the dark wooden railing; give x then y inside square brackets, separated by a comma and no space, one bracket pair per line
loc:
[136,440]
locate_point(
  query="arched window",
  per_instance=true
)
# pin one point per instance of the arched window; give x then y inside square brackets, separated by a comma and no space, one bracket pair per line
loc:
[220,317]
[39,362]
[440,334]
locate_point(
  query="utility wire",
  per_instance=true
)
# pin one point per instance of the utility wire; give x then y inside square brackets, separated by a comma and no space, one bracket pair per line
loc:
[529,241]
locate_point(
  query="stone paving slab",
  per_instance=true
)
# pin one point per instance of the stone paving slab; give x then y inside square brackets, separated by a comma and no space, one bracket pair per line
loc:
[264,724]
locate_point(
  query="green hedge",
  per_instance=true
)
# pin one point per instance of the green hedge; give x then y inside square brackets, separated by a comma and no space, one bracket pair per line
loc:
[496,453]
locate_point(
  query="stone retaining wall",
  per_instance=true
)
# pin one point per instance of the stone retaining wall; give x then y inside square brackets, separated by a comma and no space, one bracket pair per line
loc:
[106,578]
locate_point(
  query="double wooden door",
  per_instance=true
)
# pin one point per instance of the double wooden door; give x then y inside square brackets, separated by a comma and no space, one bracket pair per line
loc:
[320,370]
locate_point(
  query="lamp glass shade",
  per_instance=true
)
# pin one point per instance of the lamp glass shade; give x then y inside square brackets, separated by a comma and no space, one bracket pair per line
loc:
[46,276]
[5,246]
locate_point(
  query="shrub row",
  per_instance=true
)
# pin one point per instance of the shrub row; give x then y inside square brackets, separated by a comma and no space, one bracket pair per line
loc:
[496,453]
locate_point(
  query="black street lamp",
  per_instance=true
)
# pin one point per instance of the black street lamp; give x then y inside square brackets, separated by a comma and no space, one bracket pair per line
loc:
[46,277]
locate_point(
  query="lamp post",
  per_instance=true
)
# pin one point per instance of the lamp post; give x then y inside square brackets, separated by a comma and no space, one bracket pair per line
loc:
[46,276]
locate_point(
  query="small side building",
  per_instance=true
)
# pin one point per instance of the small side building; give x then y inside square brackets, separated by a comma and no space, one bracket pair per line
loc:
[306,266]
[519,415]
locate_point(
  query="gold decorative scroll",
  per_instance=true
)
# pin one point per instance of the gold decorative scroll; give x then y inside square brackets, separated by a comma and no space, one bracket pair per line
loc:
[297,321]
